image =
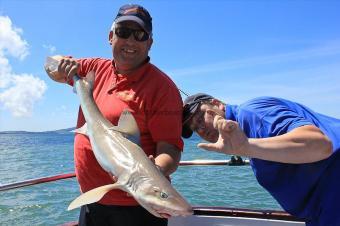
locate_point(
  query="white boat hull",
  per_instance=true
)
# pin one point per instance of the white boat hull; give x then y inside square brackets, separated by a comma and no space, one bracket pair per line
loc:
[223,216]
[228,221]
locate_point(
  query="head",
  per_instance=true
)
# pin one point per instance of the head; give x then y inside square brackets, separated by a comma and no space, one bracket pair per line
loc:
[131,37]
[156,194]
[199,111]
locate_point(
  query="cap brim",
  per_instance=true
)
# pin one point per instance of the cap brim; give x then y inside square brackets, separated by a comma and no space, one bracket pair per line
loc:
[186,131]
[132,18]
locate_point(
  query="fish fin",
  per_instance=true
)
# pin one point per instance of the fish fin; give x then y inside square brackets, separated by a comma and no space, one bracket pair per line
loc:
[92,196]
[128,126]
[81,130]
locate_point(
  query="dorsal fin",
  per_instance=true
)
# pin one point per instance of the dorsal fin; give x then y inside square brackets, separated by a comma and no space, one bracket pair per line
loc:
[128,126]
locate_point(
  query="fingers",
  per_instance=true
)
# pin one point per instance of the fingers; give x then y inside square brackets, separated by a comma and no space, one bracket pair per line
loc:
[114,178]
[152,158]
[217,120]
[154,162]
[208,146]
[224,125]
[68,67]
[231,125]
[227,125]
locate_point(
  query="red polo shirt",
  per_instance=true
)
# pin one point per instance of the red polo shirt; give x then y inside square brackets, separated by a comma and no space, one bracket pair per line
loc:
[155,103]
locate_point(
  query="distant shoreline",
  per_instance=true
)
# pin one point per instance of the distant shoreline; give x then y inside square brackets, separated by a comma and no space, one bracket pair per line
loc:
[50,131]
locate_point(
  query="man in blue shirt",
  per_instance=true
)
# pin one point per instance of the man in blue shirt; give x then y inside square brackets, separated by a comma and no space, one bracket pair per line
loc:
[294,151]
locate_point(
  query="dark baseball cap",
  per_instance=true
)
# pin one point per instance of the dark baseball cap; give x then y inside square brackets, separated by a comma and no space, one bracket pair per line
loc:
[136,13]
[191,103]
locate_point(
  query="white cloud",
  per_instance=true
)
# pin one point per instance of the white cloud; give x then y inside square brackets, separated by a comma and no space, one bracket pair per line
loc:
[18,92]
[50,48]
[22,95]
[5,71]
[10,40]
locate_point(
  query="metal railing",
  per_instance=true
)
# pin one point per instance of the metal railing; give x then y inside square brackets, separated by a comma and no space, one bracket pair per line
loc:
[231,162]
[208,211]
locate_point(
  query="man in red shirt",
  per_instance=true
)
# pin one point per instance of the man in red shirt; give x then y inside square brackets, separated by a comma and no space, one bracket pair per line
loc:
[129,81]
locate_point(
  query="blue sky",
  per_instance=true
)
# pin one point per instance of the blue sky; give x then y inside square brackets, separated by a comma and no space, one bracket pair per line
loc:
[234,50]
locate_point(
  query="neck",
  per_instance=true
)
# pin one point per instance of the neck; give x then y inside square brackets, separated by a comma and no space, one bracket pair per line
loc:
[125,71]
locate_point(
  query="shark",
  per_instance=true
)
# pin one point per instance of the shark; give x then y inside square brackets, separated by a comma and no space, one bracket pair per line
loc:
[118,152]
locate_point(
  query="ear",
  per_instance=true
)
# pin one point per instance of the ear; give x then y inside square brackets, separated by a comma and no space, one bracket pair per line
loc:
[150,43]
[218,104]
[110,37]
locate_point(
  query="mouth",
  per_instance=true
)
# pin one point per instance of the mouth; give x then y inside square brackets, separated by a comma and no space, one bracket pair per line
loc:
[169,214]
[128,51]
[164,215]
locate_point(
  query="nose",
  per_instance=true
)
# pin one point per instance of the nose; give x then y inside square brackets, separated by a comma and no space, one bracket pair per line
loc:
[130,39]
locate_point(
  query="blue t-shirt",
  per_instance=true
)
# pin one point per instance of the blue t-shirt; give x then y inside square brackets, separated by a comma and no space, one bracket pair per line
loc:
[303,190]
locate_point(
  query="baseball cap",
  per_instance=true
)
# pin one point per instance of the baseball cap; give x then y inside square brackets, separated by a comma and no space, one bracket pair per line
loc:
[136,13]
[191,103]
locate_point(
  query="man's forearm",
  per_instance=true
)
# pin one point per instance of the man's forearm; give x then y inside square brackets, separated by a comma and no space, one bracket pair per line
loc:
[167,158]
[302,145]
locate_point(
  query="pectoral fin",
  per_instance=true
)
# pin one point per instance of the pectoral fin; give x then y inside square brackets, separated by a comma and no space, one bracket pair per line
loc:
[82,130]
[92,196]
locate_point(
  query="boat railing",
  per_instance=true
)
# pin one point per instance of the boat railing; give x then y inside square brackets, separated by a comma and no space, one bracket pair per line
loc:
[232,162]
[210,211]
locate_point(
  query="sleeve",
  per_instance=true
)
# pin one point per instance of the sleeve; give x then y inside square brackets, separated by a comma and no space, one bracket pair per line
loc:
[86,65]
[282,120]
[165,117]
[278,117]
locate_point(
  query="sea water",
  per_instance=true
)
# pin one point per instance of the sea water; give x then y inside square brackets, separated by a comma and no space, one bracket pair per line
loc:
[25,155]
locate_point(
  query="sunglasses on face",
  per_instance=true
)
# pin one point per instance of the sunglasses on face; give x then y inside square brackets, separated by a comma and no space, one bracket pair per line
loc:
[125,33]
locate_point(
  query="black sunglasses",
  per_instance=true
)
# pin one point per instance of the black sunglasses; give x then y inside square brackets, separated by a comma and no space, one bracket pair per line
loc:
[125,33]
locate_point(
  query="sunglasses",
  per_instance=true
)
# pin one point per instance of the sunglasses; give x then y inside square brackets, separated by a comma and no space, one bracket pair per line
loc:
[125,33]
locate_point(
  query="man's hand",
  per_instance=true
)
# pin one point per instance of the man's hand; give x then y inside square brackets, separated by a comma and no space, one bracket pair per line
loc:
[167,157]
[154,162]
[231,140]
[67,68]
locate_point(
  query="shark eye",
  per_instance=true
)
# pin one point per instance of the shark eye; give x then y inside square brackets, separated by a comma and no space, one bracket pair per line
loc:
[164,195]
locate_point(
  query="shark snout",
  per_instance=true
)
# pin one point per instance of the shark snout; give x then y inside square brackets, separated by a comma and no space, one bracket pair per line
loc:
[185,211]
[174,212]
